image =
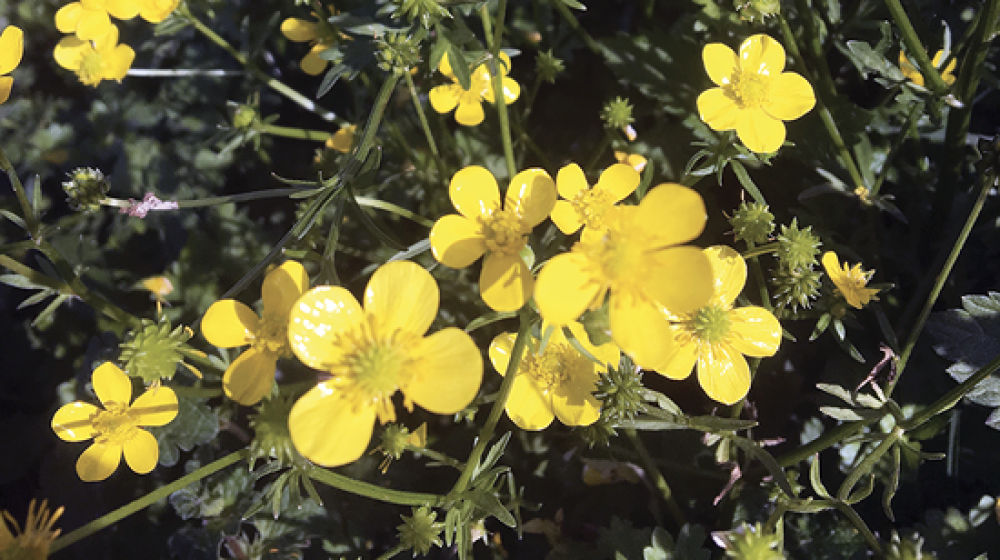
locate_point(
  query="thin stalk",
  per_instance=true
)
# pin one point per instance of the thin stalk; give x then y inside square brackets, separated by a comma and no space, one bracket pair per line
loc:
[952,397]
[399,497]
[917,51]
[832,437]
[392,552]
[76,284]
[439,457]
[30,220]
[496,79]
[573,23]
[661,483]
[297,133]
[165,73]
[211,201]
[390,207]
[431,143]
[136,506]
[522,136]
[862,528]
[914,113]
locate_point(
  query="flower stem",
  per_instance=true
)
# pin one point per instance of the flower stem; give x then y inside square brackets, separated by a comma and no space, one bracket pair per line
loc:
[442,171]
[392,552]
[573,23]
[297,133]
[357,487]
[917,51]
[496,79]
[661,483]
[214,200]
[30,220]
[149,499]
[911,118]
[952,397]
[398,210]
[860,525]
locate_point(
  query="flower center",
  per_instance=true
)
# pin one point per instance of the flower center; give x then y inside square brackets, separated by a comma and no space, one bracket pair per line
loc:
[618,261]
[115,425]
[750,88]
[91,68]
[372,367]
[710,324]
[272,336]
[590,205]
[554,367]
[504,232]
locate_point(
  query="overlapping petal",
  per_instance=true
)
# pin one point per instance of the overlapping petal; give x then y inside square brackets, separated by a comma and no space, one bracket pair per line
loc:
[505,283]
[721,62]
[531,194]
[249,378]
[762,54]
[6,85]
[316,320]
[229,323]
[791,97]
[312,63]
[112,385]
[11,48]
[729,273]
[683,281]
[565,217]
[527,407]
[574,403]
[142,452]
[671,214]
[759,131]
[500,350]
[403,297]
[474,192]
[718,109]
[282,287]
[619,181]
[469,113]
[448,370]
[329,429]
[640,329]
[457,241]
[565,288]
[681,361]
[298,30]
[570,181]
[444,98]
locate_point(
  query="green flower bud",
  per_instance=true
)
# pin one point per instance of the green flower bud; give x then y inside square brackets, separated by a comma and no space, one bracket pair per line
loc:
[757,9]
[796,288]
[620,391]
[753,223]
[421,531]
[272,439]
[397,52]
[798,247]
[906,549]
[154,350]
[750,542]
[428,12]
[245,117]
[86,189]
[549,66]
[617,114]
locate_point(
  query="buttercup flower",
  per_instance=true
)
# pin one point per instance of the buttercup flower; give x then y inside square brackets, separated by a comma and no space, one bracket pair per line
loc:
[716,336]
[89,19]
[372,351]
[754,94]
[320,35]
[585,206]
[229,323]
[484,226]
[343,139]
[556,383]
[115,428]
[11,51]
[640,264]
[445,98]
[850,281]
[33,543]
[912,73]
[93,61]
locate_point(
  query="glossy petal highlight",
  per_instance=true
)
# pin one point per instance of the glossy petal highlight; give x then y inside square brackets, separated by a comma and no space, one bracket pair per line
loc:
[505,283]
[112,385]
[315,321]
[403,296]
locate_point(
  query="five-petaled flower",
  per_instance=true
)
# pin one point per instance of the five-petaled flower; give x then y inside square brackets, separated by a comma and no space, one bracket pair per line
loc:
[115,428]
[501,232]
[11,51]
[715,337]
[639,262]
[320,34]
[584,206]
[372,351]
[850,281]
[91,19]
[754,95]
[911,71]
[229,323]
[557,382]
[445,98]
[97,60]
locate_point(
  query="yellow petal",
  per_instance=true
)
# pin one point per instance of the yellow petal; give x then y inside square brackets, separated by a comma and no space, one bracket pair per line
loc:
[402,296]
[155,407]
[619,181]
[112,385]
[447,373]
[445,66]
[11,48]
[142,452]
[6,84]
[69,52]
[500,349]
[832,265]
[527,407]
[718,109]
[343,139]
[93,24]
[640,330]
[229,323]
[729,272]
[298,30]
[474,192]
[457,241]
[505,283]
[73,421]
[249,378]
[909,70]
[317,319]
[680,363]
[469,113]
[723,373]
[67,18]
[155,11]
[720,63]
[119,63]
[763,55]
[759,131]
[125,9]
[329,429]
[671,214]
[565,217]
[312,63]
[790,97]
[445,98]
[98,462]
[565,288]
[282,286]
[754,331]
[573,401]
[683,280]
[511,91]
[531,194]
[570,181]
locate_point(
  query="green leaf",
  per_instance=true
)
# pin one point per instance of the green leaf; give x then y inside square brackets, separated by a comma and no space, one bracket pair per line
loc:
[460,66]
[489,503]
[488,319]
[574,4]
[620,537]
[816,481]
[970,337]
[754,449]
[195,424]
[842,414]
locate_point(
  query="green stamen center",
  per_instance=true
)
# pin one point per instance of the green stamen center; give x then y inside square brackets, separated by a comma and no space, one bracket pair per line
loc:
[711,324]
[374,367]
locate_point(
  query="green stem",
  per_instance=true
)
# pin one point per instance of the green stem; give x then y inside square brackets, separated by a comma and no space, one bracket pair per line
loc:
[398,210]
[197,392]
[290,132]
[868,463]
[917,51]
[399,497]
[522,136]
[573,23]
[753,252]
[859,523]
[149,499]
[952,397]
[392,552]
[439,457]
[661,483]
[68,274]
[832,437]
[442,171]
[211,201]
[914,113]
[30,220]
[815,48]
[496,79]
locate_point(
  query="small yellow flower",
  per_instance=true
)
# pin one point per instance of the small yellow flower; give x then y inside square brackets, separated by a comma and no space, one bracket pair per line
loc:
[97,60]
[850,282]
[911,71]
[584,206]
[501,232]
[640,264]
[716,336]
[343,139]
[115,428]
[635,160]
[11,51]
[155,11]
[754,94]
[319,34]
[229,323]
[33,543]
[89,19]
[556,383]
[445,98]
[372,351]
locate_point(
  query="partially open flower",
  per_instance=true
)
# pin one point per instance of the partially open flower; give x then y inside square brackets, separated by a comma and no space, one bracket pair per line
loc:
[850,281]
[469,102]
[911,71]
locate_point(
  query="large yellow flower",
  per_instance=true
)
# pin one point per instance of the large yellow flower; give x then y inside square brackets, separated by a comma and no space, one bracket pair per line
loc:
[372,351]
[94,61]
[501,232]
[34,541]
[850,281]
[640,264]
[229,323]
[754,94]
[911,71]
[320,35]
[556,383]
[445,98]
[584,206]
[89,19]
[716,336]
[11,51]
[115,428]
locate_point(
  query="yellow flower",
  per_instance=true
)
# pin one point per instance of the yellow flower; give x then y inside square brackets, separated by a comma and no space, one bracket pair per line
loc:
[372,352]
[115,428]
[850,282]
[229,323]
[94,61]
[584,206]
[33,543]
[483,226]
[155,11]
[89,20]
[754,94]
[911,71]
[445,98]
[557,382]
[640,264]
[635,160]
[320,35]
[716,336]
[343,139]
[11,51]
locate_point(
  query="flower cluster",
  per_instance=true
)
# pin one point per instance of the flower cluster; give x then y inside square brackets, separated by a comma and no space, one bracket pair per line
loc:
[468,103]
